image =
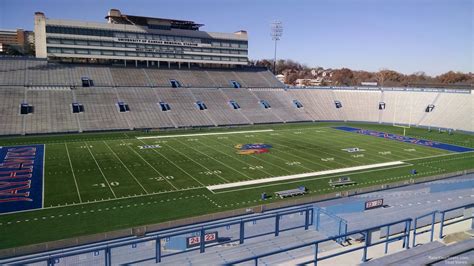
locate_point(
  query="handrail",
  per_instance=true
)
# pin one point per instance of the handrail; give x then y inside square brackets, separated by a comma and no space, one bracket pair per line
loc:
[107,247]
[195,228]
[443,214]
[149,237]
[365,231]
[387,240]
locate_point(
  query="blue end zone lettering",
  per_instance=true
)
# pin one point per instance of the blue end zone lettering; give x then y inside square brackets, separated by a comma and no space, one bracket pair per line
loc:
[422,142]
[21,178]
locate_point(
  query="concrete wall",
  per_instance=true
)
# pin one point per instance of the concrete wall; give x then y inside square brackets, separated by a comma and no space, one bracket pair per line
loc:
[40,35]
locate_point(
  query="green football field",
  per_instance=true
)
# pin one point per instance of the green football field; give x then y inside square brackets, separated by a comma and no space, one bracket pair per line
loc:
[108,181]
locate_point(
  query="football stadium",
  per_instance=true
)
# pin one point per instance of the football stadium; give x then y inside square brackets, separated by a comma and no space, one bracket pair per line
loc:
[144,140]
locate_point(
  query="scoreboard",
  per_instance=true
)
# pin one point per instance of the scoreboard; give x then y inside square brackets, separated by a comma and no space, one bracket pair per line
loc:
[195,241]
[372,204]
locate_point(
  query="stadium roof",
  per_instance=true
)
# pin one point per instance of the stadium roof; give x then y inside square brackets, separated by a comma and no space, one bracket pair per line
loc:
[116,17]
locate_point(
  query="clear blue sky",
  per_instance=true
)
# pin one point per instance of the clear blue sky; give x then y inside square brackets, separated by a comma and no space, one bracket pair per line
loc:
[434,36]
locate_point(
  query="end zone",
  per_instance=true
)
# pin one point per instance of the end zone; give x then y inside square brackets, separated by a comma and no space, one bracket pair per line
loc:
[411,140]
[21,178]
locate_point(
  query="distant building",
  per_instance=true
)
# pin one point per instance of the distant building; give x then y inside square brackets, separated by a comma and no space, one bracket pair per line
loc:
[309,82]
[138,40]
[327,73]
[368,83]
[18,39]
[3,47]
[281,78]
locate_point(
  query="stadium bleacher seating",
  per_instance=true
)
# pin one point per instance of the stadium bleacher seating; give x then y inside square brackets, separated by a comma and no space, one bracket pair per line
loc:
[250,106]
[145,110]
[10,120]
[428,254]
[282,104]
[55,113]
[218,107]
[51,88]
[184,111]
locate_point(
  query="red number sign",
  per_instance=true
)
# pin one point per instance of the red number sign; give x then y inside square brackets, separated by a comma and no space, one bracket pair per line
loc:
[195,241]
[371,204]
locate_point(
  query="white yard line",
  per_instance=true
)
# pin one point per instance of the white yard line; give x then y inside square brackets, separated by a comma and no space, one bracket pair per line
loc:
[173,163]
[149,164]
[205,134]
[310,179]
[314,155]
[126,168]
[191,159]
[73,174]
[100,169]
[290,177]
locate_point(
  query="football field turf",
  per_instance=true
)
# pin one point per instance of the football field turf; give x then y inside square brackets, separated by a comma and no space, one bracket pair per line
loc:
[101,182]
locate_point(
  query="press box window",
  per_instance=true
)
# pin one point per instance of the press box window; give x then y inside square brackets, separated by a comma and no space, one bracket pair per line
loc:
[201,105]
[429,108]
[234,105]
[174,83]
[77,108]
[338,104]
[235,84]
[164,106]
[297,104]
[87,82]
[123,107]
[381,106]
[26,109]
[265,104]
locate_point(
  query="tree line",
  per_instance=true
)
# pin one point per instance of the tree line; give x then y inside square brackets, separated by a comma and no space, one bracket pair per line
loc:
[347,77]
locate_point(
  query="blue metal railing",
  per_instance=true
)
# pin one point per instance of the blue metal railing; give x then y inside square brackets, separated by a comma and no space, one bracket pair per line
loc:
[405,236]
[443,216]
[310,218]
[241,222]
[53,256]
[341,224]
[442,221]
[415,226]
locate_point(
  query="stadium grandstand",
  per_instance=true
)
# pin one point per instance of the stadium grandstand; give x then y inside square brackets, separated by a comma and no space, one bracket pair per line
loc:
[146,141]
[52,89]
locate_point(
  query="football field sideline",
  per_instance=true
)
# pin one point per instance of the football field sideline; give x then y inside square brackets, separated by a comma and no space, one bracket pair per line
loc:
[205,134]
[313,174]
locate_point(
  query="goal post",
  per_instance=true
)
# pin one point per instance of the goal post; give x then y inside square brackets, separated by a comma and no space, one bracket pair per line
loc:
[405,127]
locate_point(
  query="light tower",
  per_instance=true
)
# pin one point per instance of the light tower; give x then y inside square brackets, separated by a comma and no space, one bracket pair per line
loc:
[276,32]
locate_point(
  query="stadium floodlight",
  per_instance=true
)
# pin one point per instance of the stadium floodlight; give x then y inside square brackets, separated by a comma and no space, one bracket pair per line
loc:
[276,32]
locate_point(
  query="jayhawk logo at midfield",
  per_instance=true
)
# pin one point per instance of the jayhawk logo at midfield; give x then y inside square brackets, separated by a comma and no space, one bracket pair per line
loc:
[254,148]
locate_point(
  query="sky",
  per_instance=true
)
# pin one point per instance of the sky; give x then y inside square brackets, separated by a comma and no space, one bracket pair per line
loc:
[434,36]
